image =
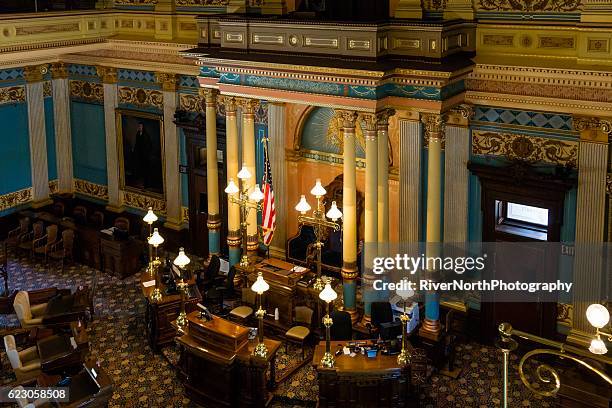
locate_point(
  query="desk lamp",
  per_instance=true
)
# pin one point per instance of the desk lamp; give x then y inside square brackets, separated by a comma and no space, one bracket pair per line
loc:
[259,287]
[327,295]
[181,261]
[156,240]
[150,218]
[404,356]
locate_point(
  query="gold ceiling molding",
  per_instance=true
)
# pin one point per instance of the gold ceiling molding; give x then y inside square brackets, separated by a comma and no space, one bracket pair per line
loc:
[12,94]
[559,6]
[87,91]
[531,149]
[542,75]
[141,97]
[90,189]
[191,103]
[15,198]
[143,202]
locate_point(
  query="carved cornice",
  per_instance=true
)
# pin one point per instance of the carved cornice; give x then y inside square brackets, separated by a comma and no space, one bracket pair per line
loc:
[230,104]
[347,119]
[35,73]
[460,115]
[91,189]
[593,129]
[433,127]
[141,97]
[87,91]
[59,70]
[143,202]
[530,149]
[370,124]
[210,96]
[168,81]
[12,94]
[108,75]
[15,198]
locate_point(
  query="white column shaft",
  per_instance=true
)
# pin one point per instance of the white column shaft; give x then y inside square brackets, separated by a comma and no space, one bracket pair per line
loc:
[38,142]
[63,133]
[456,178]
[171,153]
[409,180]
[112,164]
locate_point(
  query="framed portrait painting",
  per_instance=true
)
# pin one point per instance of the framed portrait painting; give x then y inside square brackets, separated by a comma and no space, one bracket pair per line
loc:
[141,151]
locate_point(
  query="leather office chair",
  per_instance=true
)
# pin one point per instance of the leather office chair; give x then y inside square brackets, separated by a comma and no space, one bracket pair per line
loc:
[342,328]
[299,333]
[64,248]
[27,240]
[29,316]
[15,235]
[243,312]
[25,363]
[42,246]
[211,276]
[382,321]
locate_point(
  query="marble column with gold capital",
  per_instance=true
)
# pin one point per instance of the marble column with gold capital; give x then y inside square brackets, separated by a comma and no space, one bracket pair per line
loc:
[589,266]
[348,121]
[109,79]
[434,134]
[370,247]
[212,173]
[382,127]
[61,121]
[38,138]
[233,210]
[248,159]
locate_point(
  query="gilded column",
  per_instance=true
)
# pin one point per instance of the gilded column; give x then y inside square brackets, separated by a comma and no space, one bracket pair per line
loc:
[172,179]
[590,223]
[109,79]
[434,134]
[233,210]
[61,120]
[349,209]
[248,159]
[38,138]
[276,151]
[410,145]
[212,176]
[456,174]
[370,247]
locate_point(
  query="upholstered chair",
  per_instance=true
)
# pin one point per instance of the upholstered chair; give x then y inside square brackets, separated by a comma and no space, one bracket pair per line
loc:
[243,312]
[64,248]
[28,316]
[27,240]
[79,214]
[299,333]
[15,236]
[25,363]
[43,245]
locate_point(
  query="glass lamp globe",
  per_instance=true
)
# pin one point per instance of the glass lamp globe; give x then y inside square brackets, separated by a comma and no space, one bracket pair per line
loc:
[328,294]
[303,205]
[598,315]
[334,213]
[231,188]
[156,239]
[318,190]
[244,173]
[260,285]
[256,195]
[404,291]
[181,260]
[150,217]
[598,346]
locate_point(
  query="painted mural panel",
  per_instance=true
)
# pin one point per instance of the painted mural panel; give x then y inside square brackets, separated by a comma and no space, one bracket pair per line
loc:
[323,133]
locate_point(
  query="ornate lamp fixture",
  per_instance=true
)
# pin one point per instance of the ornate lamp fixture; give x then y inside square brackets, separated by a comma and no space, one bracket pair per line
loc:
[181,261]
[155,240]
[404,356]
[599,317]
[247,202]
[327,295]
[259,287]
[150,218]
[318,222]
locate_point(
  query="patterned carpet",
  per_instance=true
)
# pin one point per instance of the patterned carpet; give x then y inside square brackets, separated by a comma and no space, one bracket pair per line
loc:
[146,379]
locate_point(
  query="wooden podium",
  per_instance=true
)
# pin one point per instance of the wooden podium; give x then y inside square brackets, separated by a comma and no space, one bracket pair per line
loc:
[217,366]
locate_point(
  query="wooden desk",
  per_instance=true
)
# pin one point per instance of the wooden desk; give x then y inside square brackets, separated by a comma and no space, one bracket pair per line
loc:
[120,258]
[217,377]
[370,382]
[57,354]
[158,316]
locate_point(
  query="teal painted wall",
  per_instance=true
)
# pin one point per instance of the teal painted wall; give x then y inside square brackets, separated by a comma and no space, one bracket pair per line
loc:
[15,150]
[88,142]
[50,130]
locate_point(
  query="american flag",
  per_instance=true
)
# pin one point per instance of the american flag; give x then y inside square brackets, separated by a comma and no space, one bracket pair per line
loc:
[268,212]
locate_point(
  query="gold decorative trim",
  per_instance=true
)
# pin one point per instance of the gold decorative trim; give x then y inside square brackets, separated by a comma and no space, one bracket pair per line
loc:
[349,270]
[185,214]
[433,126]
[47,29]
[529,6]
[527,148]
[88,91]
[143,202]
[108,75]
[35,73]
[168,81]
[565,313]
[592,129]
[609,184]
[12,94]
[141,97]
[47,89]
[191,103]
[557,42]
[460,115]
[59,70]
[53,186]
[15,198]
[91,189]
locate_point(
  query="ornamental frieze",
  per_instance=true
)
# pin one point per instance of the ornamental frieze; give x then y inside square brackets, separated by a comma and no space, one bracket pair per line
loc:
[53,186]
[191,103]
[202,2]
[559,6]
[141,97]
[91,189]
[135,2]
[531,149]
[87,91]
[143,202]
[47,89]
[12,94]
[15,198]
